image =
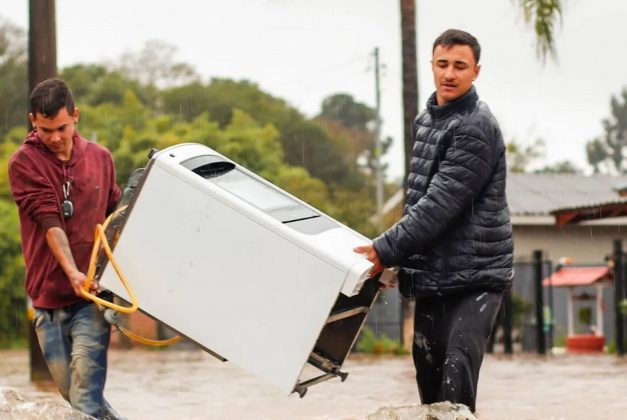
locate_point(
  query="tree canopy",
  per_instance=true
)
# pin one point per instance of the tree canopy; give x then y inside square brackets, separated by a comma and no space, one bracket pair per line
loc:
[13,76]
[520,157]
[133,108]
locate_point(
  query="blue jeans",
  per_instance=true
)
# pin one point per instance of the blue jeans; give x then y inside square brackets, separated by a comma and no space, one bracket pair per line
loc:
[74,341]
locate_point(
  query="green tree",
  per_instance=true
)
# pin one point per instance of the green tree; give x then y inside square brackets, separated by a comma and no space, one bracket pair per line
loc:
[305,142]
[13,77]
[350,125]
[255,146]
[94,84]
[520,156]
[607,149]
[12,295]
[343,108]
[561,167]
[596,154]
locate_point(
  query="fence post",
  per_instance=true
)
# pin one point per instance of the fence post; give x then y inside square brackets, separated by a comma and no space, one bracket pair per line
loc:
[551,320]
[537,263]
[619,272]
[507,322]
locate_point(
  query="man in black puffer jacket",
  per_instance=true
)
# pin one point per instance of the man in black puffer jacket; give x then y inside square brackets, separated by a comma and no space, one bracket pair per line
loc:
[454,243]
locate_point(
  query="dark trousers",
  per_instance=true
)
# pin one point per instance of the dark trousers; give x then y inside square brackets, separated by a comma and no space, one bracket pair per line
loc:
[450,336]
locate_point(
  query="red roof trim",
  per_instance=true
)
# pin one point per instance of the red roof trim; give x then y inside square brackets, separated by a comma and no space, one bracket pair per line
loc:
[579,214]
[578,276]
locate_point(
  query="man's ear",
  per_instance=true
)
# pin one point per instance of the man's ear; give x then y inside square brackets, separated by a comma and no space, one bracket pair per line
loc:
[31,117]
[75,115]
[477,71]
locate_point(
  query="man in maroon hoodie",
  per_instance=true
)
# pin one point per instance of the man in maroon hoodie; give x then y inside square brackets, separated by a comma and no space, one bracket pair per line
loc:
[63,186]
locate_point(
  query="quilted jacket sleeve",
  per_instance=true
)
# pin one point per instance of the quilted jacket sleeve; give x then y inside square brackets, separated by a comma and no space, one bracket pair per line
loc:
[466,168]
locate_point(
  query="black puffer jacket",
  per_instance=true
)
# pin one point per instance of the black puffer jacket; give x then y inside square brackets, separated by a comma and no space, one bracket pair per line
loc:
[455,234]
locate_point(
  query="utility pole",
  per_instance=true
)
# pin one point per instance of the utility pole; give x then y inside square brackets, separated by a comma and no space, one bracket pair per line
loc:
[377,140]
[410,110]
[42,64]
[410,76]
[42,42]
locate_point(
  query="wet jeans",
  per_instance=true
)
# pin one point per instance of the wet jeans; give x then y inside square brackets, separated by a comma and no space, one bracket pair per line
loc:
[450,337]
[74,341]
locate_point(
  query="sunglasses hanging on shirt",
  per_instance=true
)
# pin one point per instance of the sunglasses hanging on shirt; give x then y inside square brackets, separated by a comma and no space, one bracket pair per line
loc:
[66,206]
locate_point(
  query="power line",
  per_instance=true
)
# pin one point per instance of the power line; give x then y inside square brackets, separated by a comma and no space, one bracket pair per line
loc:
[315,74]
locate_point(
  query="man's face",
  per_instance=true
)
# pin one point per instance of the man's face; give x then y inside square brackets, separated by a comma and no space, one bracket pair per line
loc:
[56,132]
[454,69]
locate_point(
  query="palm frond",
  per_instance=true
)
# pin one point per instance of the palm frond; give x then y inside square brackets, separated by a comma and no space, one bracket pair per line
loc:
[543,16]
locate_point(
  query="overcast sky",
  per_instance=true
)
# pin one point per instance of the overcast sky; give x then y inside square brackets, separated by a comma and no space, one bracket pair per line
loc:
[303,51]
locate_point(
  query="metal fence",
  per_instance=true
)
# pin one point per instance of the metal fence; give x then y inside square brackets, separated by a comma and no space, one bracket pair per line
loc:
[541,317]
[532,314]
[386,315]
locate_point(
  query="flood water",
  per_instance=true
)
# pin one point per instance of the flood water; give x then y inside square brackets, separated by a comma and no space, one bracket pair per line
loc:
[190,384]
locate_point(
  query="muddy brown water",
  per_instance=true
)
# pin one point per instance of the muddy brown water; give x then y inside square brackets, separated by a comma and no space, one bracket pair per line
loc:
[190,384]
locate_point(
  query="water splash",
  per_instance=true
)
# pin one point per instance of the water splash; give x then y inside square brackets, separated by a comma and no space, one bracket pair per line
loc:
[14,406]
[436,411]
[481,296]
[421,342]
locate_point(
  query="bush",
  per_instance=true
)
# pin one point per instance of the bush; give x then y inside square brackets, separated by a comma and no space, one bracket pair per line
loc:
[371,343]
[12,295]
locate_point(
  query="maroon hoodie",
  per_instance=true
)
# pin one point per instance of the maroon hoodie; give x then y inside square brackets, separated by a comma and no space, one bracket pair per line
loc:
[36,176]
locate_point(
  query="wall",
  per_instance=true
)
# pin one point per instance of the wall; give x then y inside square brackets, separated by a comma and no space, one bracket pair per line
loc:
[585,244]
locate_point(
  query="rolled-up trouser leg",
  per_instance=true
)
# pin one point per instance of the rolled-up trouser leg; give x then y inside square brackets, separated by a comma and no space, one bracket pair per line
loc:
[55,345]
[90,340]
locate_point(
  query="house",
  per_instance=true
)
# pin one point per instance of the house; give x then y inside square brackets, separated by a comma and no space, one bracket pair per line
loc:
[535,199]
[573,216]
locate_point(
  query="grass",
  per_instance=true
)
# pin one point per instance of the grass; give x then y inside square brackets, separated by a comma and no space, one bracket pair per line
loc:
[13,344]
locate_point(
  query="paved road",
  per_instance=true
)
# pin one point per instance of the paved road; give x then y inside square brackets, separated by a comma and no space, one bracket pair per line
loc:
[147,384]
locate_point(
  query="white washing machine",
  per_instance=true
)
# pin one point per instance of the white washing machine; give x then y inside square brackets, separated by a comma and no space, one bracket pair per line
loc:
[249,272]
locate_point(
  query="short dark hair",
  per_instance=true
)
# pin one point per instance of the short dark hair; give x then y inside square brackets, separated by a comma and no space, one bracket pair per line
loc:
[452,37]
[50,96]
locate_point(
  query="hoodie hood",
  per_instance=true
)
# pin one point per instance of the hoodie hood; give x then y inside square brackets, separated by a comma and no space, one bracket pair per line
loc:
[78,148]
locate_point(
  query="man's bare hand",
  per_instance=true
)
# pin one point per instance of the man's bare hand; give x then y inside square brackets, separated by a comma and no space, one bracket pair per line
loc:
[77,279]
[371,255]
